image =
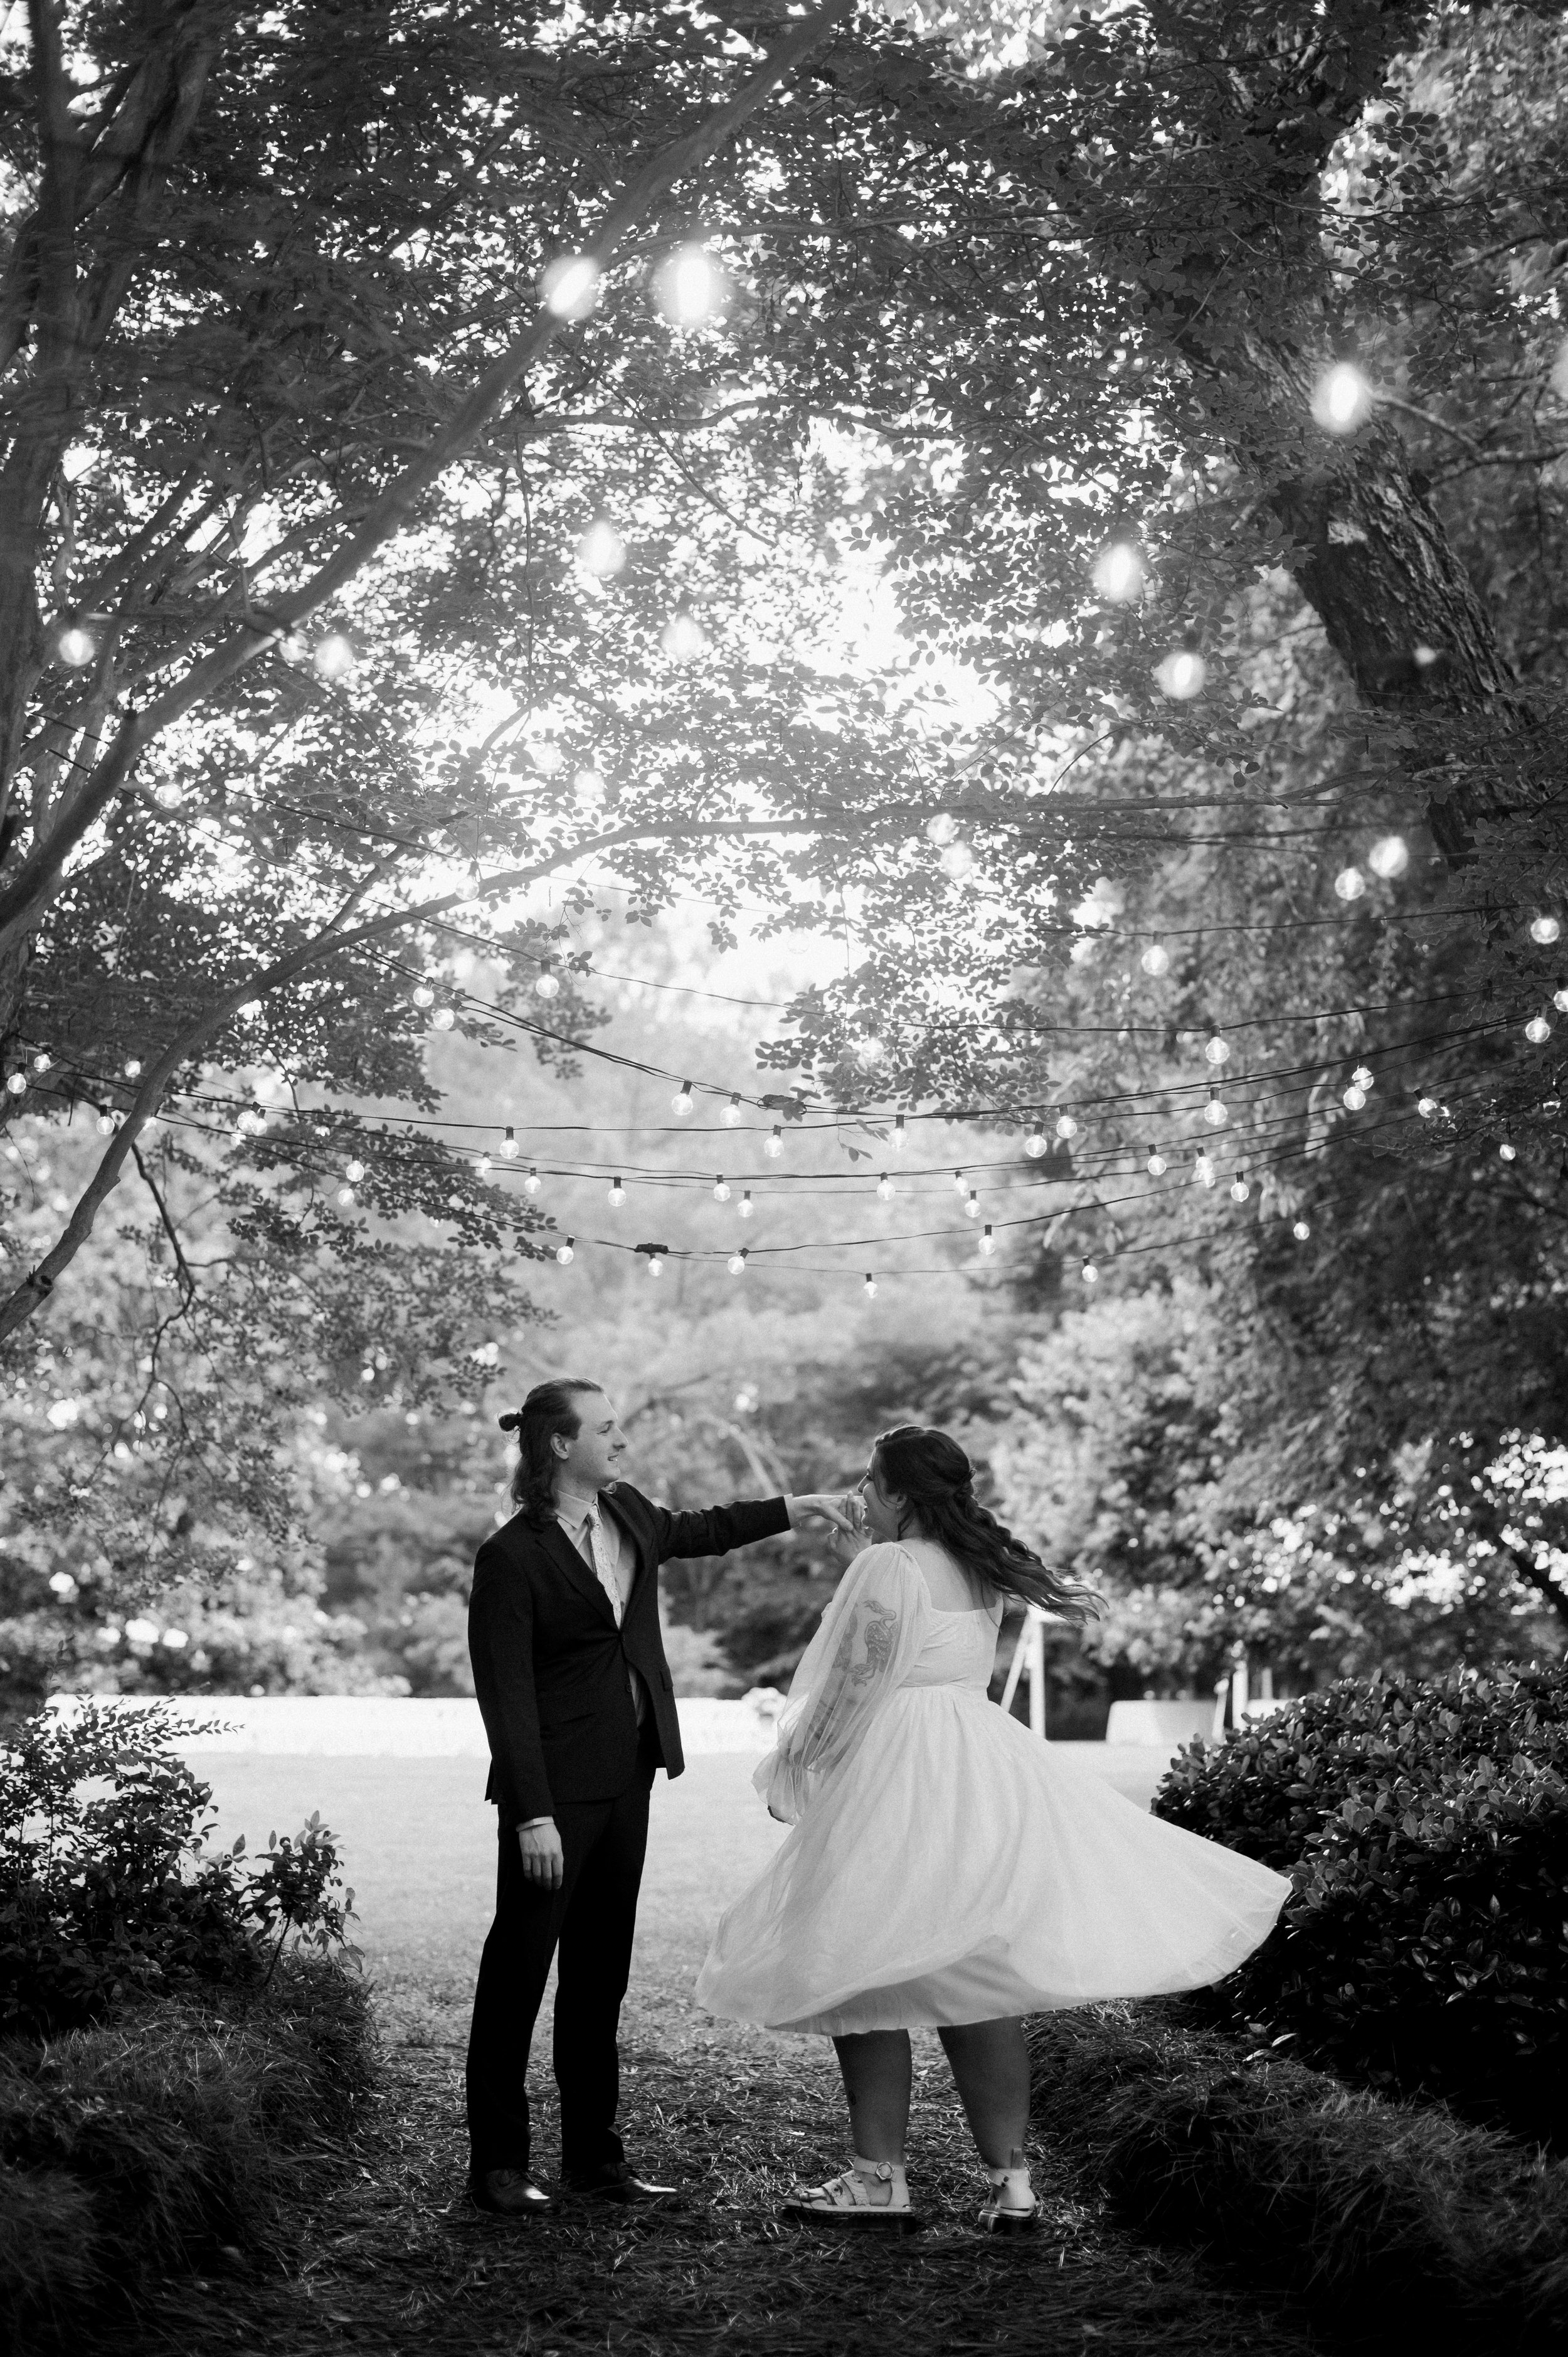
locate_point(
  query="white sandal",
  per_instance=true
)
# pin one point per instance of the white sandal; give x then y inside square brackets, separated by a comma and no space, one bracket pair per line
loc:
[846,2200]
[1012,2206]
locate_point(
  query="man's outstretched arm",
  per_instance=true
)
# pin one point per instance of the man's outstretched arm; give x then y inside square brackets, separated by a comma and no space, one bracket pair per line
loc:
[715,1530]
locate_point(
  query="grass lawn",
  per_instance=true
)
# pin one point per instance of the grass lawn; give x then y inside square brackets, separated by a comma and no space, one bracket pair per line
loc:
[391,2258]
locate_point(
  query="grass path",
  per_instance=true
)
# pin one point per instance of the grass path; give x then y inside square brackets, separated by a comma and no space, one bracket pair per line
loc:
[391,2257]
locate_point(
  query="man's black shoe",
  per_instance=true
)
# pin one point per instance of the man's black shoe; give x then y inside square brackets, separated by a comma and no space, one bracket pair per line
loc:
[508,2194]
[613,2182]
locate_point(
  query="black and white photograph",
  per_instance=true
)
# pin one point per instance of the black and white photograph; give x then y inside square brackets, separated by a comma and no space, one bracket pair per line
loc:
[783,1178]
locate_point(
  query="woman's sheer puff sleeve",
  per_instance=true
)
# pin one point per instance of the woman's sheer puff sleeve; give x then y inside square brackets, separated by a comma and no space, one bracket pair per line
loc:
[870,1637]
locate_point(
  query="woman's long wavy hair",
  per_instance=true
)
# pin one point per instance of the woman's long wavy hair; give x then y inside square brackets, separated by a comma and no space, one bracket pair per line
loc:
[549,1408]
[930,1473]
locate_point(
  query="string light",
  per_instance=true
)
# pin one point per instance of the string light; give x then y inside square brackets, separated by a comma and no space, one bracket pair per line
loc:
[1214,1112]
[1218,1050]
[443,1018]
[1156,1165]
[960,1182]
[731,1113]
[773,1146]
[681,1102]
[972,1209]
[346,1197]
[682,638]
[295,648]
[334,655]
[941,829]
[601,551]
[509,1146]
[1355,1098]
[1156,959]
[1301,1230]
[690,287]
[900,1135]
[885,1191]
[570,285]
[1349,884]
[42,1061]
[1426,1107]
[587,790]
[1538,1030]
[484,1165]
[353,1172]
[1203,1170]
[1118,572]
[1560,1000]
[16,1084]
[1362,1077]
[566,1253]
[1507,1152]
[106,1125]
[1341,399]
[1182,674]
[748,1207]
[1389,857]
[736,1262]
[547,986]
[956,861]
[1036,1143]
[1544,929]
[422,995]
[1240,1190]
[76,646]
[655,1263]
[870,1287]
[721,1192]
[531,1184]
[1066,1127]
[617,1194]
[1089,1273]
[133,1068]
[987,1242]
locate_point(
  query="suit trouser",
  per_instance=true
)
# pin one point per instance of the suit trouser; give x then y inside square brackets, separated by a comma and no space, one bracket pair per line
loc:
[592,1919]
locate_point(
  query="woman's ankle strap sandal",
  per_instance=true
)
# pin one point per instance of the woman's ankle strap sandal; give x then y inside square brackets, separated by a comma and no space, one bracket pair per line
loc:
[869,2195]
[1010,2207]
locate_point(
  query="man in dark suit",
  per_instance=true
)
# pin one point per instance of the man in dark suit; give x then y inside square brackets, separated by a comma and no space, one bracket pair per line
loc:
[571,1681]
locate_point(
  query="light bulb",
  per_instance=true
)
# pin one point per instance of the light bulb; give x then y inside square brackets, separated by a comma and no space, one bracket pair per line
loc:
[295,648]
[1155,960]
[570,285]
[168,797]
[1426,1107]
[1182,674]
[1544,929]
[566,1253]
[547,986]
[972,1209]
[617,1193]
[1560,1000]
[884,1189]
[42,1061]
[1301,1230]
[1350,883]
[1506,1151]
[737,1263]
[484,1165]
[1066,1127]
[900,1135]
[443,1018]
[1218,1050]
[1240,1190]
[346,1197]
[1203,1170]
[940,829]
[601,550]
[748,1207]
[870,1284]
[681,1101]
[1156,1165]
[353,1172]
[655,1263]
[1034,1145]
[960,1182]
[721,1192]
[1119,571]
[587,789]
[531,1184]
[76,646]
[1355,1098]
[988,1243]
[334,655]
[1362,1077]
[509,1146]
[682,638]
[422,995]
[1090,1273]
[956,860]
[133,1069]
[1389,857]
[16,1084]
[1538,1030]
[773,1146]
[1214,1112]
[731,1113]
[690,287]
[1341,399]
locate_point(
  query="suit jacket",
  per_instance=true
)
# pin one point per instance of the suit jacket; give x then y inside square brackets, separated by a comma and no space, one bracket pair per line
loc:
[550,1664]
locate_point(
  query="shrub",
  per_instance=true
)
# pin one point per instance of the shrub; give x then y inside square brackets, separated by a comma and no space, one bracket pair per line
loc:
[107,1883]
[1387,2219]
[1424,1828]
[128,2150]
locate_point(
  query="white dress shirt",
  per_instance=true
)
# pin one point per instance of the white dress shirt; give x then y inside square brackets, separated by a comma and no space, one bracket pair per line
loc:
[609,1554]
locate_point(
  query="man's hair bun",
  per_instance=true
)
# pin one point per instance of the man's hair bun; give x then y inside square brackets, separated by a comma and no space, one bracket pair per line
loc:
[510,1423]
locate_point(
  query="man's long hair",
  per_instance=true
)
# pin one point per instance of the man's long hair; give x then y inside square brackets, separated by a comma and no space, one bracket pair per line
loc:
[549,1408]
[930,1473]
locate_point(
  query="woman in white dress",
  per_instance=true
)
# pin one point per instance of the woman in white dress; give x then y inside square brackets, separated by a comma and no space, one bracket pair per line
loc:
[946,1869]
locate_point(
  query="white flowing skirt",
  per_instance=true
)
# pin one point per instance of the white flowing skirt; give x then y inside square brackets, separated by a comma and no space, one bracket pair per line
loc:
[956,1868]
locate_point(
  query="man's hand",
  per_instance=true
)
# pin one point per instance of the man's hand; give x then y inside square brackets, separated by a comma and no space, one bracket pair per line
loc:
[543,1860]
[822,1505]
